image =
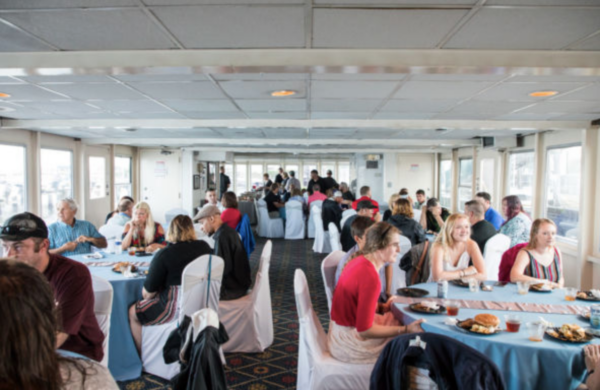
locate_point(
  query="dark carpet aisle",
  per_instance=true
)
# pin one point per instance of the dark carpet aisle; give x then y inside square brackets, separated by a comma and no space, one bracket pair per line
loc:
[275,368]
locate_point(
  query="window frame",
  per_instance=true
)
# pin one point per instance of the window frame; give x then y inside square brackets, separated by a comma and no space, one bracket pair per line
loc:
[72,152]
[507,176]
[460,205]
[449,205]
[115,183]
[26,172]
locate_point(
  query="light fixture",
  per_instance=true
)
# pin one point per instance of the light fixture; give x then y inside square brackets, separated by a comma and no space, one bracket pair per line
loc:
[543,93]
[4,95]
[283,92]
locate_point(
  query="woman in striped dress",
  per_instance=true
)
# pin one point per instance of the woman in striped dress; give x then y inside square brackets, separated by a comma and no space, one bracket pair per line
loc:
[540,261]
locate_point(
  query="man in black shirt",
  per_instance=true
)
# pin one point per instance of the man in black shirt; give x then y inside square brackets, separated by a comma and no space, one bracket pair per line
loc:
[224,182]
[279,177]
[274,203]
[330,181]
[228,245]
[348,197]
[316,179]
[364,209]
[481,230]
[332,212]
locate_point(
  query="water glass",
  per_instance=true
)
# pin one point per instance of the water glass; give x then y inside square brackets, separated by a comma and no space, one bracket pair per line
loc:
[523,287]
[474,285]
[595,316]
[118,248]
[451,308]
[127,271]
[570,293]
[536,330]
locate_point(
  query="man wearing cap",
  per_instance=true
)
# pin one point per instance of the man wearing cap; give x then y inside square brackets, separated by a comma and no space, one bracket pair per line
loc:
[364,209]
[332,211]
[69,236]
[228,245]
[25,238]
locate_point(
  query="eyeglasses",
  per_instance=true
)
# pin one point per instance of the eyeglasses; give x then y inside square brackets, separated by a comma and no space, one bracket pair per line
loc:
[12,230]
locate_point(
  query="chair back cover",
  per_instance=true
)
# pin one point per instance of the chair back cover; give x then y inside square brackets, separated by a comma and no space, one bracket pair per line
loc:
[417,215]
[268,227]
[334,237]
[399,276]
[321,244]
[294,224]
[311,221]
[103,298]
[492,254]
[345,215]
[195,285]
[328,268]
[111,232]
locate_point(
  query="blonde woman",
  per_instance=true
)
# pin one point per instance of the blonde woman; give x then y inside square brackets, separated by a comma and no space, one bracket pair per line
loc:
[388,213]
[161,288]
[453,250]
[540,261]
[142,231]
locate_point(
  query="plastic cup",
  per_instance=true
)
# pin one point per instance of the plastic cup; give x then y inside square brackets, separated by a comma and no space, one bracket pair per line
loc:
[523,287]
[118,248]
[451,308]
[570,293]
[595,316]
[513,322]
[132,251]
[536,331]
[474,285]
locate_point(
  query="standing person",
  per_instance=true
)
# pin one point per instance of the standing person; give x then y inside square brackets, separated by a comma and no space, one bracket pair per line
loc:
[329,181]
[231,214]
[421,200]
[540,261]
[228,245]
[357,334]
[286,179]
[224,182]
[491,215]
[293,182]
[347,195]
[279,177]
[365,194]
[142,231]
[481,230]
[434,217]
[70,236]
[518,224]
[267,183]
[332,212]
[30,333]
[25,238]
[314,180]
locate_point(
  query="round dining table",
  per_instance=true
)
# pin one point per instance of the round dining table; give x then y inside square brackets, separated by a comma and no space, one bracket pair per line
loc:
[524,364]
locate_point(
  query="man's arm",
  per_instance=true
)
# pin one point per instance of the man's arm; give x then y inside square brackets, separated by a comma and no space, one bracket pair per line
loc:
[67,247]
[98,242]
[60,339]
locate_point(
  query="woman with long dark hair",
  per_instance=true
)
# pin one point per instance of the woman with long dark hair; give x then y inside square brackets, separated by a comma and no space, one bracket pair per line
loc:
[518,224]
[28,356]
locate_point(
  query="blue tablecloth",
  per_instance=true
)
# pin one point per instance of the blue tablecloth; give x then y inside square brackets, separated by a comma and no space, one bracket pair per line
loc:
[124,362]
[524,364]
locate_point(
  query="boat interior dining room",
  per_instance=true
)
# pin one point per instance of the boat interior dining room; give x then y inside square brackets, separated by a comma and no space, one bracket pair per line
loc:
[257,158]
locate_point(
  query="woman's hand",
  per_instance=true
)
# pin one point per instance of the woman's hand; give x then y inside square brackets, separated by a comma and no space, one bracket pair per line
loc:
[592,356]
[415,327]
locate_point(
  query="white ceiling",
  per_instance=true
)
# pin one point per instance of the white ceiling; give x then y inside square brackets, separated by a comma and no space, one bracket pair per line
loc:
[362,105]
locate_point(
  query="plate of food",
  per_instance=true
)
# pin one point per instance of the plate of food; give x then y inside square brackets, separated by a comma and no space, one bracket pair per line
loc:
[541,288]
[592,295]
[586,315]
[121,266]
[483,324]
[412,292]
[427,307]
[459,283]
[570,333]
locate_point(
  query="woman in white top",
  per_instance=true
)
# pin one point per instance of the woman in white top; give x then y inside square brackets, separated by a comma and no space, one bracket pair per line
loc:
[452,251]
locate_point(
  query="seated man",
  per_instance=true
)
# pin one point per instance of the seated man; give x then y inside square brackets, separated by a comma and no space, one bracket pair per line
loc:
[421,200]
[347,195]
[69,236]
[316,195]
[365,209]
[25,238]
[491,215]
[228,245]
[275,206]
[365,194]
[332,211]
[125,210]
[481,230]
[358,228]
[211,199]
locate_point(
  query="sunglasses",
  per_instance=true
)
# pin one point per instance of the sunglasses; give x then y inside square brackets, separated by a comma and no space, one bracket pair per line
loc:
[21,230]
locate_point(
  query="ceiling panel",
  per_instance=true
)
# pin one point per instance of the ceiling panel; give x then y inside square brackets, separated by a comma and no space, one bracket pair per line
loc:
[166,90]
[397,29]
[89,115]
[463,116]
[129,105]
[242,133]
[68,78]
[14,40]
[351,89]
[579,117]
[262,89]
[521,91]
[397,2]
[412,106]
[28,92]
[349,76]
[74,133]
[214,115]
[519,116]
[25,113]
[65,107]
[457,77]
[588,93]
[219,2]
[563,107]
[161,77]
[488,107]
[96,91]
[33,4]
[151,115]
[285,133]
[557,78]
[589,44]
[405,116]
[202,27]
[9,80]
[195,133]
[272,104]
[358,105]
[331,133]
[339,115]
[525,28]
[277,115]
[449,90]
[543,2]
[106,29]
[259,76]
[201,105]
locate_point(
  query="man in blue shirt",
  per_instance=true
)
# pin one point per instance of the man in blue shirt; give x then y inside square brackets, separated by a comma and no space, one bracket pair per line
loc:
[69,236]
[491,215]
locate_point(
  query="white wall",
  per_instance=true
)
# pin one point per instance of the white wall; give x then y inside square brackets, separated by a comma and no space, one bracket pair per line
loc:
[409,170]
[370,177]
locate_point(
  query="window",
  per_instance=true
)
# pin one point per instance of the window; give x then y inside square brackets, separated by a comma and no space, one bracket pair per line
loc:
[465,182]
[486,175]
[12,181]
[97,176]
[256,175]
[122,178]
[520,178]
[563,182]
[343,172]
[446,183]
[57,180]
[229,170]
[241,180]
[309,166]
[273,171]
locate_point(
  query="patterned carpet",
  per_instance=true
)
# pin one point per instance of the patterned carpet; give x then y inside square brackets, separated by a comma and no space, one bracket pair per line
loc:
[276,367]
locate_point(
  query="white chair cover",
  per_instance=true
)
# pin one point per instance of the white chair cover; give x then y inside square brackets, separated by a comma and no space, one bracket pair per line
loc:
[111,231]
[317,369]
[398,276]
[321,244]
[294,223]
[103,298]
[492,254]
[249,320]
[311,222]
[171,214]
[334,237]
[268,227]
[328,268]
[345,215]
[417,215]
[193,298]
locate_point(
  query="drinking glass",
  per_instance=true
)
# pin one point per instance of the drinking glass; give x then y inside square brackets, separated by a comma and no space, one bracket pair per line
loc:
[474,285]
[513,322]
[523,287]
[536,331]
[595,316]
[452,308]
[126,271]
[132,251]
[570,293]
[118,248]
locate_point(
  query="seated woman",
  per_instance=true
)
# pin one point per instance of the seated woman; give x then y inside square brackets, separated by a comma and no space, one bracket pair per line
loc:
[28,357]
[161,288]
[231,215]
[402,219]
[540,261]
[356,333]
[388,213]
[452,251]
[432,220]
[142,231]
[518,224]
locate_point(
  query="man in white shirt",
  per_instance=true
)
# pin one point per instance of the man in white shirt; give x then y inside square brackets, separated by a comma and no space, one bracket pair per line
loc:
[125,209]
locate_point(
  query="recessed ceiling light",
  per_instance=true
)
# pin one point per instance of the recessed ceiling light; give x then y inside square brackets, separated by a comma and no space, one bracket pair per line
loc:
[283,92]
[543,93]
[4,95]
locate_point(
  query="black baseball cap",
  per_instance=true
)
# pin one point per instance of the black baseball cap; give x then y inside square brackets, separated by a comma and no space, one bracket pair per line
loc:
[23,226]
[365,204]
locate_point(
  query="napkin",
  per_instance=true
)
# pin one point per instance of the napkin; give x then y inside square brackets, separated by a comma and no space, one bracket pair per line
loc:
[95,255]
[595,293]
[451,321]
[548,324]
